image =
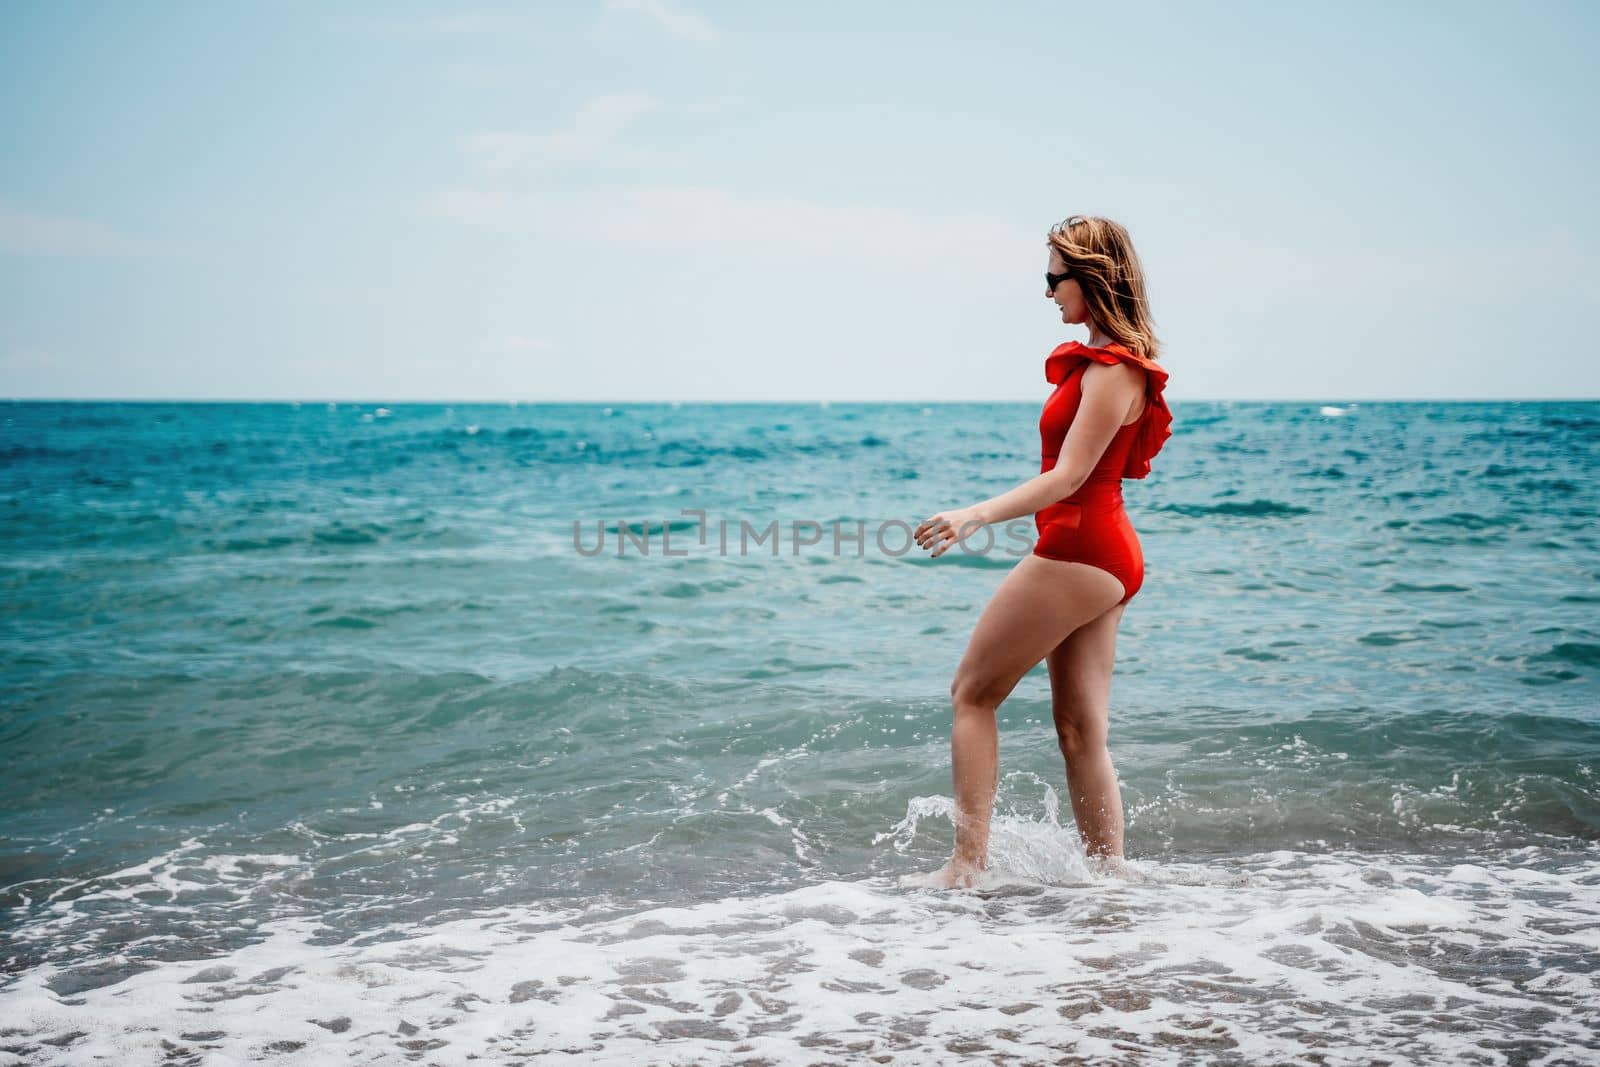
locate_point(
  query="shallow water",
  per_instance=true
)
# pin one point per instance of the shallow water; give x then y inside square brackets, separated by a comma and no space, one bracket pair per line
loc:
[322,739]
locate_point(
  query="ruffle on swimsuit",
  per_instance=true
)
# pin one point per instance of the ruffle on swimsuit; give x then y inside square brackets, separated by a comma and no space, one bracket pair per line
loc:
[1154,424]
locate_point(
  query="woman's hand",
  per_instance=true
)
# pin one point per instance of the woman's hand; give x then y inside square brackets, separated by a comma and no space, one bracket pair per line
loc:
[941,531]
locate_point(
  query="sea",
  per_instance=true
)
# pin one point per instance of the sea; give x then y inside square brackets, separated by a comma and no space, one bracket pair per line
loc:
[360,733]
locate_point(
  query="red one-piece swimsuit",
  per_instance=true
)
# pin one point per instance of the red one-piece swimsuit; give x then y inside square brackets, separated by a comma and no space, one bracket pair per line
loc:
[1090,526]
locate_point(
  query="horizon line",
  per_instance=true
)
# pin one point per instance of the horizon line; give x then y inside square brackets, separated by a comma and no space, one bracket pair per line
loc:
[820,401]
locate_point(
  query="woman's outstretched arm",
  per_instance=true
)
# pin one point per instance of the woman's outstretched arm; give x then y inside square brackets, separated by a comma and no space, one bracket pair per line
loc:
[1108,392]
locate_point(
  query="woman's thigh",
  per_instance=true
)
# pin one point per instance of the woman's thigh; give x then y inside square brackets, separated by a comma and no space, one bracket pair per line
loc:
[1040,602]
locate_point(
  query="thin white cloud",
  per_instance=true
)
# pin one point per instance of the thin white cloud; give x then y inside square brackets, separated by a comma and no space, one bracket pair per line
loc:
[451,24]
[64,235]
[27,360]
[519,343]
[684,25]
[484,74]
[709,217]
[592,132]
[1549,260]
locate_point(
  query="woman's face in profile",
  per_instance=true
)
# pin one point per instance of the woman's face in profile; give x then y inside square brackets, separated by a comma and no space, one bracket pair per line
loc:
[1069,294]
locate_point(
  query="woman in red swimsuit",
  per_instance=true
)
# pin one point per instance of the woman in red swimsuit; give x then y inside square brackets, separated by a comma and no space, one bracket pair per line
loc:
[1105,421]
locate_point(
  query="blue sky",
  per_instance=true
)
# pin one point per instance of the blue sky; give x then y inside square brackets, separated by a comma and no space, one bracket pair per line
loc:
[661,200]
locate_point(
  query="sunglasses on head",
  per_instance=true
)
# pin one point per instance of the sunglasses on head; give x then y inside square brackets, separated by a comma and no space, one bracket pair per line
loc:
[1053,280]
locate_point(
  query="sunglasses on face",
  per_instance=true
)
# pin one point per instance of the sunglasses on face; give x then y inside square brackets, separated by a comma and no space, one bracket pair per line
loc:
[1053,280]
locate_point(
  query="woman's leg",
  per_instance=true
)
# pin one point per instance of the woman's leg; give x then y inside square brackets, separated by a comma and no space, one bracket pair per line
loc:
[1039,603]
[1080,699]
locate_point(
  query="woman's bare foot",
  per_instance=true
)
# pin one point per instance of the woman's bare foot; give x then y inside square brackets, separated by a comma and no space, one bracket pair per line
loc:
[1115,867]
[956,874]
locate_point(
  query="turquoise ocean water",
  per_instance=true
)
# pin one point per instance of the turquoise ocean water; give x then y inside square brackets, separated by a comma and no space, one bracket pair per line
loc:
[327,739]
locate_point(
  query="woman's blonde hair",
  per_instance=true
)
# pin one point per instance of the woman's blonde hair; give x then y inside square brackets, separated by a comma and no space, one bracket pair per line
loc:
[1099,254]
